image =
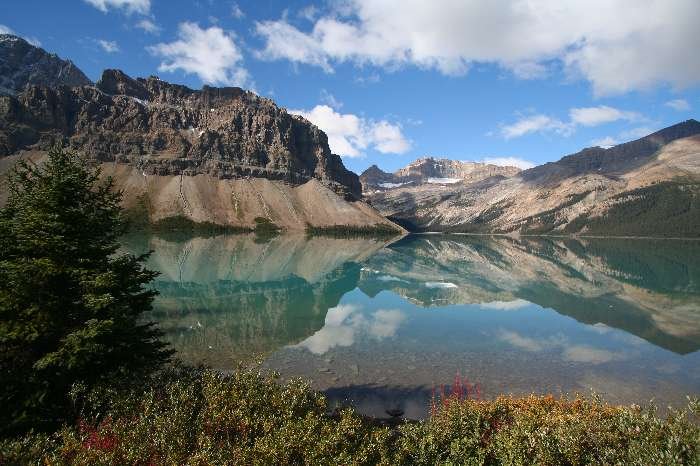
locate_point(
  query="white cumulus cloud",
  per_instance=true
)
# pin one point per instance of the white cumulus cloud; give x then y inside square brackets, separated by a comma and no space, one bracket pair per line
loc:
[284,41]
[209,53]
[349,135]
[130,6]
[616,45]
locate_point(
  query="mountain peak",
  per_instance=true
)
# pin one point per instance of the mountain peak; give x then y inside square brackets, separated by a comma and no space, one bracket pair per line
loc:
[432,170]
[23,64]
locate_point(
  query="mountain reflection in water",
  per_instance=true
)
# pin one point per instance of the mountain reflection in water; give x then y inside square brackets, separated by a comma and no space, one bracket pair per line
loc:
[380,324]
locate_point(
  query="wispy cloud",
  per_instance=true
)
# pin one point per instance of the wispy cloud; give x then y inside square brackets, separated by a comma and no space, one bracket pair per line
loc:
[535,124]
[606,142]
[330,100]
[236,11]
[624,136]
[681,105]
[581,116]
[148,26]
[109,46]
[577,353]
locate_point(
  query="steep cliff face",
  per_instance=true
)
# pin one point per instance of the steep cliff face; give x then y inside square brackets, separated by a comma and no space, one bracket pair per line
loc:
[432,171]
[647,187]
[166,129]
[22,64]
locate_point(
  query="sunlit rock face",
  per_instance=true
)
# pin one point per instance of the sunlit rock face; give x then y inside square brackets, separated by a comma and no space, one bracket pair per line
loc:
[169,129]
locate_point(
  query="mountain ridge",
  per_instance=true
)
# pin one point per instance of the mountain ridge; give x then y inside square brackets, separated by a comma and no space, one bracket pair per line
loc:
[646,187]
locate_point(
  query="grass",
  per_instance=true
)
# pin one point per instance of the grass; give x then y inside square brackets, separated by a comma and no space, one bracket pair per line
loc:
[192,416]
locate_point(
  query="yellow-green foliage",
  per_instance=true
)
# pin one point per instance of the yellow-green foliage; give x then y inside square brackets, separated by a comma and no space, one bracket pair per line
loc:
[203,417]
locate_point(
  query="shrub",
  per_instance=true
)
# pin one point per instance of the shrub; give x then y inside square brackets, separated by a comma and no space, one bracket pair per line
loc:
[192,416]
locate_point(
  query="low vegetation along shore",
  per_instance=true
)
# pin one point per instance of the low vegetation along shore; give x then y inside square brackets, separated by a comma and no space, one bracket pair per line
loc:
[85,381]
[190,416]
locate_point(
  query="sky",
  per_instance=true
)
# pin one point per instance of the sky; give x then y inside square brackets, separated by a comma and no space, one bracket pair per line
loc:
[519,82]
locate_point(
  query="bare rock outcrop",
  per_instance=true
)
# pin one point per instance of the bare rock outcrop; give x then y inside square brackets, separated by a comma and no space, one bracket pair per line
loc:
[167,129]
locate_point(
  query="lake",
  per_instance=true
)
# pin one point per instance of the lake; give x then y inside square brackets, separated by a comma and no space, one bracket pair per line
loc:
[381,325]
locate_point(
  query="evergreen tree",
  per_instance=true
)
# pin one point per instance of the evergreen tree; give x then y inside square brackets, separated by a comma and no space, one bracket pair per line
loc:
[70,306]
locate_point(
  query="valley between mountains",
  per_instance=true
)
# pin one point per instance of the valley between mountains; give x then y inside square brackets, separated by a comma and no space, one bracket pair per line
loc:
[227,157]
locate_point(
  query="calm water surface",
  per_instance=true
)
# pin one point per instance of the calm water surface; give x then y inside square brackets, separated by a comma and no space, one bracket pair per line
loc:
[379,325]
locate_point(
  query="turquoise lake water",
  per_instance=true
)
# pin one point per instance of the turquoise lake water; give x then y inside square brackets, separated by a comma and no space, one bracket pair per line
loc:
[378,325]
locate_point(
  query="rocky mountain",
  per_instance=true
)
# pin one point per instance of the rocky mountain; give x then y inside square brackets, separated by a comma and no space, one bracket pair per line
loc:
[432,171]
[646,187]
[217,155]
[22,65]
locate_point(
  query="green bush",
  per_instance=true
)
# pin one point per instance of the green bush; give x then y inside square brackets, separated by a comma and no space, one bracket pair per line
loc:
[353,231]
[182,224]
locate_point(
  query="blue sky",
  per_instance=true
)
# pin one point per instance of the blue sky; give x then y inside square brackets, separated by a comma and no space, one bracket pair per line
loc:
[394,80]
